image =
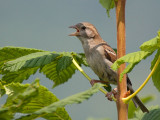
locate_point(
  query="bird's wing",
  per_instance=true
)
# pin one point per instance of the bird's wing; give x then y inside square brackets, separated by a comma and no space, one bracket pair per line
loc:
[109,53]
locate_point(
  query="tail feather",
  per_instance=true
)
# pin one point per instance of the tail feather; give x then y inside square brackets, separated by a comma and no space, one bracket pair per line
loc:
[137,101]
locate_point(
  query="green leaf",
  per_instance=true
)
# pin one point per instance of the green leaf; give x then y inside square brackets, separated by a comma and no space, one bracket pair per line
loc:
[152,115]
[11,53]
[37,59]
[77,98]
[64,62]
[80,58]
[5,114]
[17,97]
[20,94]
[156,74]
[132,108]
[108,5]
[28,117]
[127,70]
[18,76]
[54,109]
[61,69]
[147,48]
[56,66]
[60,114]
[44,98]
[30,98]
[132,59]
[59,77]
[151,45]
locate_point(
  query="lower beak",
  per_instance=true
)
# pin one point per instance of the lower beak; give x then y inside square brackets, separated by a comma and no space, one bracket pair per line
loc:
[75,33]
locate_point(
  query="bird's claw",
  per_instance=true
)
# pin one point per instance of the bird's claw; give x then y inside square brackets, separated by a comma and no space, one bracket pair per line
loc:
[109,94]
[92,82]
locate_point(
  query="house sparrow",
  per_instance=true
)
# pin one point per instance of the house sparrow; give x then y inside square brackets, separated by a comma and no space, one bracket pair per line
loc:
[100,56]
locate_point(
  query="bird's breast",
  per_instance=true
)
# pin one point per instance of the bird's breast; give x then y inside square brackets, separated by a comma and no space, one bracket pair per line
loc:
[100,65]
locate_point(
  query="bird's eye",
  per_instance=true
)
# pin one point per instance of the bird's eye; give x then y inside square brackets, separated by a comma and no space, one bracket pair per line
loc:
[83,27]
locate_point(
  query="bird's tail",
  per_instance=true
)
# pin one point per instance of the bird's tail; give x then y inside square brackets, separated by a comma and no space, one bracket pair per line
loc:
[137,101]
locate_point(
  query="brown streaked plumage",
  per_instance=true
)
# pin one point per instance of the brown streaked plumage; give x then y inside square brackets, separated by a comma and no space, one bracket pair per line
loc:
[100,56]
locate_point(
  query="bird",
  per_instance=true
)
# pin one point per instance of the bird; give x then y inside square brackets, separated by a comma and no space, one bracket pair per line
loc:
[100,56]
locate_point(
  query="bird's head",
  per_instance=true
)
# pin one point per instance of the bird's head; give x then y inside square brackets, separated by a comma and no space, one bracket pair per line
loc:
[84,31]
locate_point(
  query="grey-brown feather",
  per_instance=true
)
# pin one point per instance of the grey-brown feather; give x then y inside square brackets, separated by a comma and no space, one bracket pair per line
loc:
[95,55]
[100,56]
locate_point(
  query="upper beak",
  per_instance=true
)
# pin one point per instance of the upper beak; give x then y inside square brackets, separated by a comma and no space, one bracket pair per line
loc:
[75,33]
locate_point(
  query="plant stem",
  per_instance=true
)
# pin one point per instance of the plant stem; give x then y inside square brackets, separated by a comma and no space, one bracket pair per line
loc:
[127,99]
[122,108]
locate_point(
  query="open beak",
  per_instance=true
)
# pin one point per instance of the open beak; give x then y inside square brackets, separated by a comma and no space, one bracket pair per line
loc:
[75,33]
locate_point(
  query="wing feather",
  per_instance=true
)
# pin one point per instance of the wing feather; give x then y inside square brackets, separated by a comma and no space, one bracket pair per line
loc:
[110,53]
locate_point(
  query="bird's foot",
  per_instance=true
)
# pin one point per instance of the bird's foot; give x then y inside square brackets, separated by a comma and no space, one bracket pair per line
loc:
[92,82]
[109,94]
